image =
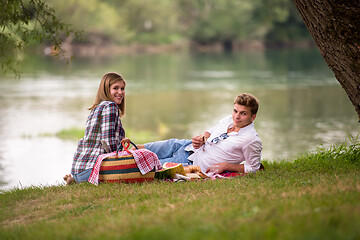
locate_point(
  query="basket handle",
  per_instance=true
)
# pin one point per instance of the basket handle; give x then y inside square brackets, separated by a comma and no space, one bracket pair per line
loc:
[125,146]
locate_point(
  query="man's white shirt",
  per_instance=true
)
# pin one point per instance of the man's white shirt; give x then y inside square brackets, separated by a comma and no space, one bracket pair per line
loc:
[240,146]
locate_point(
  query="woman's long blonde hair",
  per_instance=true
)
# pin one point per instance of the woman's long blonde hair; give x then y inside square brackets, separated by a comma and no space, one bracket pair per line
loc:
[103,93]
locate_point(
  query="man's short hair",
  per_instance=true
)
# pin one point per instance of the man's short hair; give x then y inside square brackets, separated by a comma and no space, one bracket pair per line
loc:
[248,100]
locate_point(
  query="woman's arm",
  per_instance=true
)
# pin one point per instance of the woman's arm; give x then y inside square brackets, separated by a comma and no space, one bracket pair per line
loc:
[109,118]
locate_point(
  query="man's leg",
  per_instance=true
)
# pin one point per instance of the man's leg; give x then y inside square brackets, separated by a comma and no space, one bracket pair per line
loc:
[172,150]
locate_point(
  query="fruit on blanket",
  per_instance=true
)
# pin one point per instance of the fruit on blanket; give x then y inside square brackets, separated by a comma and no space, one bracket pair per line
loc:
[170,165]
[169,170]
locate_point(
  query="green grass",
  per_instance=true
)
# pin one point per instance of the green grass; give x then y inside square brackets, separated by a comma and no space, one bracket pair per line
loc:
[75,134]
[316,196]
[71,133]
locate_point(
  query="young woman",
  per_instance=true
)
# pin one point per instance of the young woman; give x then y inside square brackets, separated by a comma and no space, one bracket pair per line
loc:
[102,126]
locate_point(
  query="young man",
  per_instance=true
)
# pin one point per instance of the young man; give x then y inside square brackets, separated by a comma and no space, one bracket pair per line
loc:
[223,147]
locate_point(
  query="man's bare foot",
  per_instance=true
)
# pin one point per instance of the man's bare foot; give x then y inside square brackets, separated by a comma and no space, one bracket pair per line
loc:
[69,179]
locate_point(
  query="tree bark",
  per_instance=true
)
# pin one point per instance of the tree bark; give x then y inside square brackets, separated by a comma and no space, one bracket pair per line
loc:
[335,27]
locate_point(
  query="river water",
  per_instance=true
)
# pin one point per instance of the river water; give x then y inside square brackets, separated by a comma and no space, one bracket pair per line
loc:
[302,106]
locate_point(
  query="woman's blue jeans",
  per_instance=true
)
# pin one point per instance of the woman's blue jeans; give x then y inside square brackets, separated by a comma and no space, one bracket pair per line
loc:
[83,176]
[172,150]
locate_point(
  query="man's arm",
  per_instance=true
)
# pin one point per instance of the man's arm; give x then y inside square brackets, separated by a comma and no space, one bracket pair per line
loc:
[252,153]
[224,166]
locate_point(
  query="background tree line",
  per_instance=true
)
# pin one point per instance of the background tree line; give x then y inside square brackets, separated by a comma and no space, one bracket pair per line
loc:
[229,24]
[333,25]
[205,22]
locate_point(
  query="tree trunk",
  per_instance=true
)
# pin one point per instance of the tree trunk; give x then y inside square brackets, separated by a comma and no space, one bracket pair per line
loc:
[335,27]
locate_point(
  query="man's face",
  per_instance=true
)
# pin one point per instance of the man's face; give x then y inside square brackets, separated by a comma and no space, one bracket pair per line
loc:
[242,116]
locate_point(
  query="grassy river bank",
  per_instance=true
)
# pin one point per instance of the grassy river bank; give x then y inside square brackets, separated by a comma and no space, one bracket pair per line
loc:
[316,196]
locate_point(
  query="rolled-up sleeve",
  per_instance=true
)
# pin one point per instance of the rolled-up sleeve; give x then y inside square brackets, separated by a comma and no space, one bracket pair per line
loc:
[252,153]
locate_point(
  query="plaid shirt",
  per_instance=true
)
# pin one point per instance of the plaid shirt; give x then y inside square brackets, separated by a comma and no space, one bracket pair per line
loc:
[103,123]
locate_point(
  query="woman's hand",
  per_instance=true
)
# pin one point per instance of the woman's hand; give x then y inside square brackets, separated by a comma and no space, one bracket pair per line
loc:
[125,142]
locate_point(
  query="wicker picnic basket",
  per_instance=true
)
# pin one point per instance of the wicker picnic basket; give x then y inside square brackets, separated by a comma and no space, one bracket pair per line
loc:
[123,168]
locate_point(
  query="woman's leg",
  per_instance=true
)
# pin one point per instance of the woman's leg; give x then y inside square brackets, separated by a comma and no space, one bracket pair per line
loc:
[69,179]
[83,176]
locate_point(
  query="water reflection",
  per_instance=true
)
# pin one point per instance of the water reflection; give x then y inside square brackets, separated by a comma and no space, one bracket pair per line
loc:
[169,95]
